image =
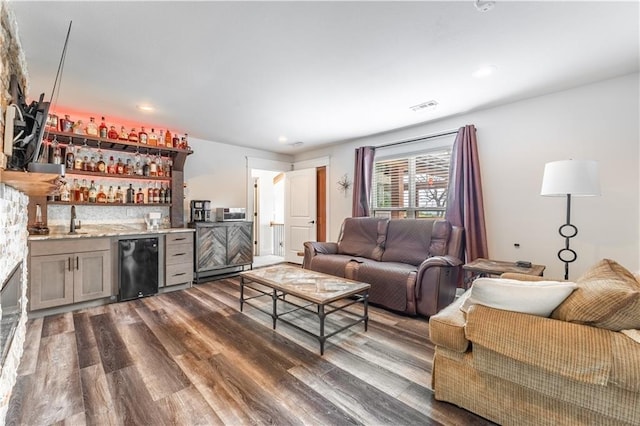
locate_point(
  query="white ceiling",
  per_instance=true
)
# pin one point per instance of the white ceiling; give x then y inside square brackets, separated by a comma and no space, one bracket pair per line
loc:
[249,73]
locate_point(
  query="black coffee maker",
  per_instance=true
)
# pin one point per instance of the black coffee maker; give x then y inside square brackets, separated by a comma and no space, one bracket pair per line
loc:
[200,211]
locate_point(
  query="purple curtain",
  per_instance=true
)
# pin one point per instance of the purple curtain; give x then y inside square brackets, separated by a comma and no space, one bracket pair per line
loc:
[464,203]
[362,180]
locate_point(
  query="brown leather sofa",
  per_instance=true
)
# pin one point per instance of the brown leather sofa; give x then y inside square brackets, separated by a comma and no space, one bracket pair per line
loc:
[412,265]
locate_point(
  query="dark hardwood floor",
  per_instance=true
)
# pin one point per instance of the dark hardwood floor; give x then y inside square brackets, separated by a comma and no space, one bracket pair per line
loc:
[190,357]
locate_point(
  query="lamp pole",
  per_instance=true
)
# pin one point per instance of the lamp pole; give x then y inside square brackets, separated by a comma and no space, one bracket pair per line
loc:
[568,231]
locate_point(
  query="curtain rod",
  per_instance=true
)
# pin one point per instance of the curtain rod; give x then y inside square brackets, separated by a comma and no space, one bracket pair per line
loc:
[422,138]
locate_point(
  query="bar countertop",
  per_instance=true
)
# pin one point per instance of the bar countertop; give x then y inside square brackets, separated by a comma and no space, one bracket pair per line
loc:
[103,230]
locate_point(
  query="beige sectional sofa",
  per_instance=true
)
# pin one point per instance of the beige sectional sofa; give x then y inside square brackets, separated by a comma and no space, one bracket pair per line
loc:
[577,367]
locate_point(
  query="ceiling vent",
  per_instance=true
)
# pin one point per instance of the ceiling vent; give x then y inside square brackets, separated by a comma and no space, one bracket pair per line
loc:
[425,106]
[484,5]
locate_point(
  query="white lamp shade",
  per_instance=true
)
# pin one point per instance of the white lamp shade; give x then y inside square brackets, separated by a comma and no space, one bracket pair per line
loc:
[575,177]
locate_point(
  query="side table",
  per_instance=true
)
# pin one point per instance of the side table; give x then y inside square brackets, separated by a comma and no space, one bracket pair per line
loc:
[484,267]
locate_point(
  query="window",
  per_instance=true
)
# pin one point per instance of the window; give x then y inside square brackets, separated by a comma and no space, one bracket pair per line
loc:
[411,186]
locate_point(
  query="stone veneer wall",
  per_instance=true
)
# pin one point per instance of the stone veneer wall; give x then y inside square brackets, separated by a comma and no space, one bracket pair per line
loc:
[13,203]
[13,249]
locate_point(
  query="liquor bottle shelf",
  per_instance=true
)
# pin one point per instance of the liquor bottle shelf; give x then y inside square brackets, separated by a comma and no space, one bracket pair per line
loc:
[77,203]
[109,144]
[115,176]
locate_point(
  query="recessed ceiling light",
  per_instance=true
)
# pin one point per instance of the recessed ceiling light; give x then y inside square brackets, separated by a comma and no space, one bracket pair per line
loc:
[484,5]
[145,107]
[282,139]
[484,71]
[425,106]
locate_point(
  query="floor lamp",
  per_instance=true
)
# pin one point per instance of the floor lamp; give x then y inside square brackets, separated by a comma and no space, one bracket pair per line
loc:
[578,178]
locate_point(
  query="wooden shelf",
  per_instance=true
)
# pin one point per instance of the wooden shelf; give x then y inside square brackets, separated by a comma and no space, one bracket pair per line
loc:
[65,203]
[110,144]
[32,184]
[116,176]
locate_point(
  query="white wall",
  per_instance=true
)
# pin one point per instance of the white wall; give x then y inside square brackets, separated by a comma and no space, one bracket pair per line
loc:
[218,172]
[598,121]
[271,208]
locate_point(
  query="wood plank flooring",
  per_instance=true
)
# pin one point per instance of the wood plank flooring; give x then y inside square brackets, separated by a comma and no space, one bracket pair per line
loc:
[191,358]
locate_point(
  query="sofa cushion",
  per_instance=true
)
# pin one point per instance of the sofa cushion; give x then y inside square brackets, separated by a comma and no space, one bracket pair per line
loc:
[332,264]
[390,281]
[529,297]
[407,241]
[363,236]
[608,296]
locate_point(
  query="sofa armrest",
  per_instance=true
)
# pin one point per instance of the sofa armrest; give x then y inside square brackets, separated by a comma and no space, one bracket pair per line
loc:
[312,248]
[575,351]
[436,283]
[446,328]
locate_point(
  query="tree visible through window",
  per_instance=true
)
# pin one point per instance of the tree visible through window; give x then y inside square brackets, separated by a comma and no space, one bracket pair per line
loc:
[411,187]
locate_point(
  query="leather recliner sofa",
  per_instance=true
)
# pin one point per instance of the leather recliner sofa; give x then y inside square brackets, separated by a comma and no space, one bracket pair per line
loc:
[412,265]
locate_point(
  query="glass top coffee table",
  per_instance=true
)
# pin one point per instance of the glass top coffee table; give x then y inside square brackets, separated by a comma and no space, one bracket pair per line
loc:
[319,290]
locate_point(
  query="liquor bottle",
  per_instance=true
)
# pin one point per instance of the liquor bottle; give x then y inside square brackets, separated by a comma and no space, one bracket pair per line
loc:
[101,166]
[184,144]
[103,130]
[161,139]
[111,196]
[139,196]
[153,168]
[167,195]
[156,194]
[133,135]
[124,136]
[159,166]
[161,194]
[120,195]
[168,167]
[131,194]
[77,162]
[146,167]
[65,193]
[152,137]
[175,141]
[92,164]
[85,191]
[150,197]
[85,163]
[57,154]
[101,197]
[138,169]
[92,127]
[113,133]
[69,160]
[143,137]
[120,167]
[168,141]
[66,125]
[111,167]
[93,193]
[75,191]
[128,168]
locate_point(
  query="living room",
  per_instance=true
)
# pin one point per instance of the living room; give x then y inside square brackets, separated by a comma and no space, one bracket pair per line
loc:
[592,116]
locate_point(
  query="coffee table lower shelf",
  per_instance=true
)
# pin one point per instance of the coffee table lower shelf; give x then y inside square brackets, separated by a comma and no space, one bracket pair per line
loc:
[320,310]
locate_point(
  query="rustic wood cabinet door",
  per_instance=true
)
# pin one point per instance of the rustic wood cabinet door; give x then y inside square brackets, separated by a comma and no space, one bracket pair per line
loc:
[51,281]
[92,278]
[240,244]
[212,247]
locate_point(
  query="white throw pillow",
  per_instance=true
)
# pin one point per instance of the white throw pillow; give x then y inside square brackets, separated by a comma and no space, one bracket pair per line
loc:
[529,297]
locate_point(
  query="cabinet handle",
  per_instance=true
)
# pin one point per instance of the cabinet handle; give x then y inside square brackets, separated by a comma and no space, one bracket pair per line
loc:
[180,254]
[77,264]
[179,239]
[181,273]
[69,262]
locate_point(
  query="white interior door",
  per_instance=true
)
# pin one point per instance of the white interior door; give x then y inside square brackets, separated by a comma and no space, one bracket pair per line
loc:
[299,212]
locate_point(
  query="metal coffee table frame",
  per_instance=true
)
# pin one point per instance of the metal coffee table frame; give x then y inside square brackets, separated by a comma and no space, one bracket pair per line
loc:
[360,295]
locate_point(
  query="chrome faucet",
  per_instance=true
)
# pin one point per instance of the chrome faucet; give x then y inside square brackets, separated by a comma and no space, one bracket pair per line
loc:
[72,225]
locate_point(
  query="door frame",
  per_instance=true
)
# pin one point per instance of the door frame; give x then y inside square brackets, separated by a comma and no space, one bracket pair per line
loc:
[315,163]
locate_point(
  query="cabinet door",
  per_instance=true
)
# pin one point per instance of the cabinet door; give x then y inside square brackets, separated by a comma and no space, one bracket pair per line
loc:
[51,282]
[92,278]
[211,248]
[240,244]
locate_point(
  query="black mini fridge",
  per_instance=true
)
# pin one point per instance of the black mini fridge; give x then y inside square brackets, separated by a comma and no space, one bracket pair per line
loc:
[137,268]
